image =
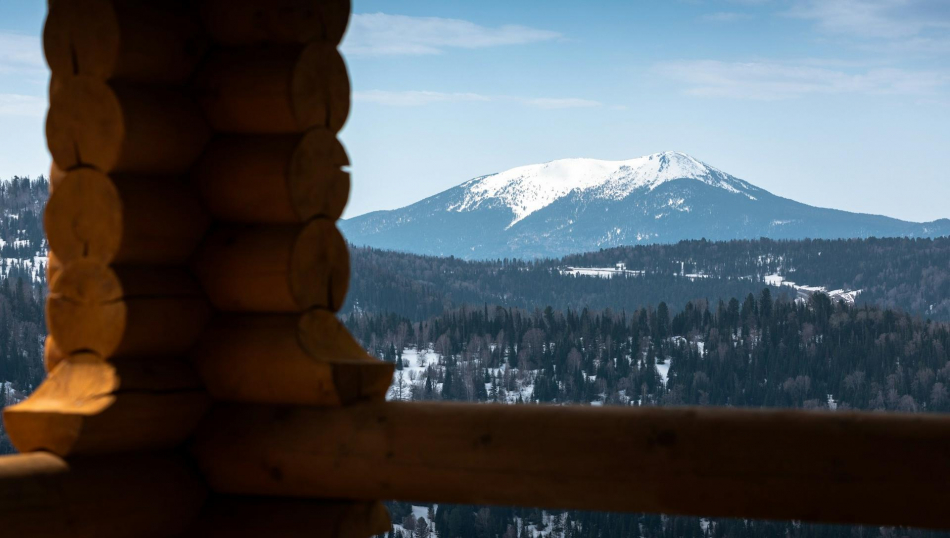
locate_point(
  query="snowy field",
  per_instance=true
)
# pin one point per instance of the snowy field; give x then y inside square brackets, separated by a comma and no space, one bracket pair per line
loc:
[602,272]
[412,377]
[548,528]
[804,292]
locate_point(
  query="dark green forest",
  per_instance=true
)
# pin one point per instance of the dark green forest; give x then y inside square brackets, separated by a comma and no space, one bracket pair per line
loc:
[907,274]
[22,290]
[760,351]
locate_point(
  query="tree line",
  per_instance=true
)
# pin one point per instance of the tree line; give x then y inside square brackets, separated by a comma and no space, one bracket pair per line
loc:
[901,273]
[760,351]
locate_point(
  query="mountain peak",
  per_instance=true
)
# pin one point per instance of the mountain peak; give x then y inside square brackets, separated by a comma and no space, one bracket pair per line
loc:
[586,204]
[527,189]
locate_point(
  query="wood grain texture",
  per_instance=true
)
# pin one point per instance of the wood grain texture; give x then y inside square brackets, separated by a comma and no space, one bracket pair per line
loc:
[56,175]
[252,517]
[274,90]
[122,128]
[813,466]
[136,40]
[53,267]
[124,219]
[274,179]
[52,355]
[147,496]
[125,311]
[308,359]
[89,406]
[243,22]
[274,268]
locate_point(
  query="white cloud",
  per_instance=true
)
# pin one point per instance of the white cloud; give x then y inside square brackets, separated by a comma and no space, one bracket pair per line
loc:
[384,34]
[777,80]
[415,98]
[547,102]
[420,98]
[726,16]
[22,105]
[21,54]
[900,26]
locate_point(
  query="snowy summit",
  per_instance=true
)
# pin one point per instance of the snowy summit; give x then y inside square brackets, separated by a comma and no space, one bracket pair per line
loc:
[579,205]
[526,189]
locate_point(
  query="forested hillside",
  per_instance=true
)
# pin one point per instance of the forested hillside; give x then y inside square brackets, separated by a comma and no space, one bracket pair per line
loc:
[22,289]
[908,274]
[757,352]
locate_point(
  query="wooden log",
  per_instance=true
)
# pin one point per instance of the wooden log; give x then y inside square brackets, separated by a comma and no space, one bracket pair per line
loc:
[56,175]
[275,178]
[274,268]
[813,466]
[243,22]
[53,268]
[274,90]
[125,311]
[90,406]
[147,496]
[52,355]
[252,517]
[121,128]
[136,40]
[288,359]
[124,219]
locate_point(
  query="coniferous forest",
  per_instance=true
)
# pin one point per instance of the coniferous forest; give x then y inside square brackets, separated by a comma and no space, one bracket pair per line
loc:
[698,326]
[907,274]
[760,351]
[22,290]
[695,323]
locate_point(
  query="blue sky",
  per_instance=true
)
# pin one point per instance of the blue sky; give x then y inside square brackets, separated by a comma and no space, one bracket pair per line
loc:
[837,103]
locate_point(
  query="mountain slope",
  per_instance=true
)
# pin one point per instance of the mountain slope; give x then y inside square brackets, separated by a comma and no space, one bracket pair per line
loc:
[575,205]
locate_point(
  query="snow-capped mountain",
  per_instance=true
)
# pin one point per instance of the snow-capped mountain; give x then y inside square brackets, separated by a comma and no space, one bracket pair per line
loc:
[575,205]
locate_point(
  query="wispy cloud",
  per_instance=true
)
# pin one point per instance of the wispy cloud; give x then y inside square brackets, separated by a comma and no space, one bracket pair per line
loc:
[22,105]
[384,34]
[900,25]
[547,102]
[875,18]
[415,97]
[21,54]
[420,98]
[726,16]
[777,80]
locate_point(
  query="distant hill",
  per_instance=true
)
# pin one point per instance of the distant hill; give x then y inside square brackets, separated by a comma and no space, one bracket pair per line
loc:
[579,205]
[903,273]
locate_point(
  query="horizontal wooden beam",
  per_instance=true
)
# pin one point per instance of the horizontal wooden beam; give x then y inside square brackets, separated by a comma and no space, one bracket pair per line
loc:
[43,496]
[252,517]
[884,469]
[308,359]
[124,311]
[89,406]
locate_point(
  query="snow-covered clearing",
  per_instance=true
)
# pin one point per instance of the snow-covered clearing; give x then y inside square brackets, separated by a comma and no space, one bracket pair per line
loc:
[804,292]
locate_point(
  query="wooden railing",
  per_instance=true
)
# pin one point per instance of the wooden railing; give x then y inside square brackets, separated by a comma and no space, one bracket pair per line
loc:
[200,384]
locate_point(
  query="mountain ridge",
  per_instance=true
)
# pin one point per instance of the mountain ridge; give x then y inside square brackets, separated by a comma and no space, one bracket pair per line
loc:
[575,205]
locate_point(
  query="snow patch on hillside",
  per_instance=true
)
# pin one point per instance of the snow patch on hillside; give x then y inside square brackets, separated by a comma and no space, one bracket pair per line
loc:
[527,189]
[804,292]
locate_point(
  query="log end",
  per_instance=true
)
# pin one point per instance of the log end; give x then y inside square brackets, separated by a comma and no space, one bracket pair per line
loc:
[319,185]
[84,311]
[84,124]
[320,267]
[321,88]
[83,217]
